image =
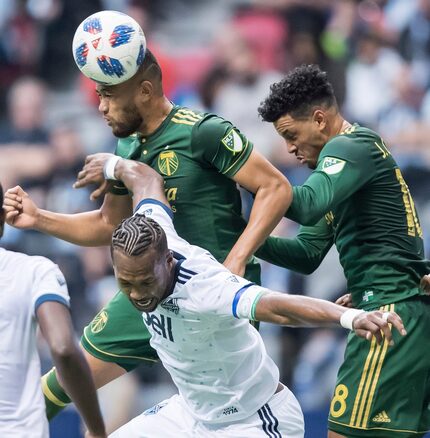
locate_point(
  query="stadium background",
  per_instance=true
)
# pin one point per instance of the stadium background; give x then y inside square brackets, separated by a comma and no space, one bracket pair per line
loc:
[221,56]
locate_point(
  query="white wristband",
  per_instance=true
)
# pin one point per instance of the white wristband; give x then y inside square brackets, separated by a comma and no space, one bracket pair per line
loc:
[109,167]
[348,317]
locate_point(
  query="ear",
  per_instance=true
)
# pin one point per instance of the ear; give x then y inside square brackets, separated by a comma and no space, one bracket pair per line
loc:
[146,91]
[320,118]
[169,257]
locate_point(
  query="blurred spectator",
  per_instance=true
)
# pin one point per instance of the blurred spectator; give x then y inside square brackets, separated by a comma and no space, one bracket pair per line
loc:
[242,85]
[415,43]
[24,138]
[370,79]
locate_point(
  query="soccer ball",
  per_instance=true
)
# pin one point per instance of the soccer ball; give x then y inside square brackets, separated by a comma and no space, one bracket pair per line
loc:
[108,47]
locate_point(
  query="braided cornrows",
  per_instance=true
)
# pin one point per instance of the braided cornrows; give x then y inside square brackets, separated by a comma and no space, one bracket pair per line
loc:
[136,234]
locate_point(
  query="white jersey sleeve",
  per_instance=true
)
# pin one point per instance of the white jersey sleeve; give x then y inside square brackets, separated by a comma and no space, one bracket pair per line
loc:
[225,294]
[49,284]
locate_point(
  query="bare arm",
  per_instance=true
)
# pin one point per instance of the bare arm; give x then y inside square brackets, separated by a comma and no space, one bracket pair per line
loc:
[56,326]
[296,310]
[140,179]
[273,196]
[92,228]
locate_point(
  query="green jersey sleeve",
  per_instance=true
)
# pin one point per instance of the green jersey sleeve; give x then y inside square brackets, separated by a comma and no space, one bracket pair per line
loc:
[302,254]
[344,166]
[221,145]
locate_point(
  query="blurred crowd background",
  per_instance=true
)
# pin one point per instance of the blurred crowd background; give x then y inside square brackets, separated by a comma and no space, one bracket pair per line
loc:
[219,56]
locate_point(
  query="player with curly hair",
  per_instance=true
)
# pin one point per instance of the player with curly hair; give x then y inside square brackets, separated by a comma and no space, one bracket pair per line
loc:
[357,199]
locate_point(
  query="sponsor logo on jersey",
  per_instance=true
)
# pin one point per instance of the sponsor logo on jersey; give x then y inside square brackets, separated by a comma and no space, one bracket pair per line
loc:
[99,322]
[368,295]
[332,166]
[171,193]
[160,325]
[171,305]
[230,410]
[382,417]
[156,408]
[60,279]
[168,163]
[233,279]
[233,142]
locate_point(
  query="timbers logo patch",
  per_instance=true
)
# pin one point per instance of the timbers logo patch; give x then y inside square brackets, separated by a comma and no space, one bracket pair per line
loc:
[168,162]
[331,165]
[99,322]
[233,142]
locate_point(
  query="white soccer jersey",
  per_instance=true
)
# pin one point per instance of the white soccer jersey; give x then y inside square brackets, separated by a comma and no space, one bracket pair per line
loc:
[25,283]
[217,361]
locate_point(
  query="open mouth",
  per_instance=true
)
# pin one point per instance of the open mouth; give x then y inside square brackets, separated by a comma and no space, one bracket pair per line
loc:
[144,304]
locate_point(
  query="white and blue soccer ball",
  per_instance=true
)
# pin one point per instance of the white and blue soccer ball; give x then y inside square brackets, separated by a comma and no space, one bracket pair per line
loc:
[108,47]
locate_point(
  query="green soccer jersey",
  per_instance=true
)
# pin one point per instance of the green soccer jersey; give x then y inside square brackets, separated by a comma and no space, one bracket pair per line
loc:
[358,199]
[197,154]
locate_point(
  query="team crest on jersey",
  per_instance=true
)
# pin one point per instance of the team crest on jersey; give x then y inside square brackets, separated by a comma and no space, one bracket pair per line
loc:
[99,322]
[233,142]
[332,165]
[171,305]
[168,162]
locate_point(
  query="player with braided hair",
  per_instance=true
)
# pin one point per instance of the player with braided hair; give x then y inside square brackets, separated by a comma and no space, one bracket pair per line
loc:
[197,312]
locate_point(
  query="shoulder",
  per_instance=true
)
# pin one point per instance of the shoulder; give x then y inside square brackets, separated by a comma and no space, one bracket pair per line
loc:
[354,144]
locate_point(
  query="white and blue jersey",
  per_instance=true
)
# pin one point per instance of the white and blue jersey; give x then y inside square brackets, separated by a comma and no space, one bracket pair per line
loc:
[25,283]
[215,357]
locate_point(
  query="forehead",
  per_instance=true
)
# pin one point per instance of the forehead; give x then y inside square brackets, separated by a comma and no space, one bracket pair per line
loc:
[288,123]
[134,266]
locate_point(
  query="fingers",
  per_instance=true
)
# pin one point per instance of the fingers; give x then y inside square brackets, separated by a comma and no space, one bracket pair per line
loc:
[100,191]
[425,284]
[12,202]
[379,325]
[345,301]
[397,322]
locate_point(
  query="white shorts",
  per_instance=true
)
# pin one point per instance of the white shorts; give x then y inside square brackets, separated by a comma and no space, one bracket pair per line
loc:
[280,417]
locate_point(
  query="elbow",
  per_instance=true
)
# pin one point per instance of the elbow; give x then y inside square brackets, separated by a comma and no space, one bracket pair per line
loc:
[62,350]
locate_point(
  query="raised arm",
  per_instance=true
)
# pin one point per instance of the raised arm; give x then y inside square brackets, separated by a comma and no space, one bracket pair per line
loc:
[273,196]
[56,326]
[93,228]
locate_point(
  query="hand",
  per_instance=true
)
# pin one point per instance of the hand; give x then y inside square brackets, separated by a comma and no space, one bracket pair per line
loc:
[21,211]
[235,266]
[425,284]
[92,173]
[345,301]
[369,324]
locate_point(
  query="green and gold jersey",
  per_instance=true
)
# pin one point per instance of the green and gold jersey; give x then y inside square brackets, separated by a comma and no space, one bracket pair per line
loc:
[197,154]
[358,199]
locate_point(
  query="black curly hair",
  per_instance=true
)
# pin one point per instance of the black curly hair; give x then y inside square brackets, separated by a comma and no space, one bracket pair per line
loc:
[302,89]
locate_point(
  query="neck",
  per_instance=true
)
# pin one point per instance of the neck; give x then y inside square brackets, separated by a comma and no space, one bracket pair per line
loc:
[340,125]
[155,116]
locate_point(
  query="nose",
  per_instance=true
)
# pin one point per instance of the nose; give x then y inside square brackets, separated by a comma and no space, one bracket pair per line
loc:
[103,106]
[291,147]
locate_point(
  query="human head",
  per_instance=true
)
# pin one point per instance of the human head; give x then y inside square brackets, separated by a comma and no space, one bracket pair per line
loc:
[124,106]
[142,263]
[26,103]
[304,111]
[2,212]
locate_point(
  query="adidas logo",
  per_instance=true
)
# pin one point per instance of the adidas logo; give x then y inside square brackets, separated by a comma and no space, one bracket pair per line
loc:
[382,417]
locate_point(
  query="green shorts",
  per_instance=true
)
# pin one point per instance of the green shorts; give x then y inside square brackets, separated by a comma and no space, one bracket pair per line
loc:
[118,334]
[383,391]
